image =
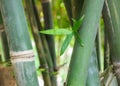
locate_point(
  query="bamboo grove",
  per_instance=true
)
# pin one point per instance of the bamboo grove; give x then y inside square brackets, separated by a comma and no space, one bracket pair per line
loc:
[95,58]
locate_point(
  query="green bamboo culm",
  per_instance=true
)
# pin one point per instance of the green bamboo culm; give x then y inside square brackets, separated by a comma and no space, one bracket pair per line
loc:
[5,47]
[107,31]
[81,55]
[48,24]
[99,48]
[93,73]
[19,42]
[4,41]
[38,42]
[48,56]
[113,6]
[92,77]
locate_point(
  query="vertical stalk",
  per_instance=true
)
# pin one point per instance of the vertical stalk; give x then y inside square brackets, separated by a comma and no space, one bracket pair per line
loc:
[108,32]
[36,15]
[98,48]
[48,24]
[81,55]
[106,46]
[50,50]
[5,46]
[107,25]
[4,40]
[51,62]
[21,52]
[93,76]
[38,42]
[114,12]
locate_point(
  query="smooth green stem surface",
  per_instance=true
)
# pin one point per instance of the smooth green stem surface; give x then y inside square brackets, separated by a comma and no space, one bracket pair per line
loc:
[93,73]
[48,24]
[19,41]
[77,73]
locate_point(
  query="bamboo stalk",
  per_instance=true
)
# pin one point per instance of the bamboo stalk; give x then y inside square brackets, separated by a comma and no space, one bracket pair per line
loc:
[48,24]
[98,48]
[92,79]
[38,42]
[21,52]
[52,65]
[81,55]
[113,36]
[93,73]
[5,47]
[108,31]
[4,41]
[106,43]
[36,15]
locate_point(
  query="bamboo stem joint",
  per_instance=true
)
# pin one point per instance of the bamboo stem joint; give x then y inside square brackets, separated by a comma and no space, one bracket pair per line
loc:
[22,56]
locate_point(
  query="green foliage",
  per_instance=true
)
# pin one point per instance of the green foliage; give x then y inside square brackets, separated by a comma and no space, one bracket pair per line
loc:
[77,24]
[69,33]
[56,32]
[66,43]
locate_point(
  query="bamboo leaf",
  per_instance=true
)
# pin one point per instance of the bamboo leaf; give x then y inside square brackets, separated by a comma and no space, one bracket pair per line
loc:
[56,32]
[66,43]
[78,39]
[77,23]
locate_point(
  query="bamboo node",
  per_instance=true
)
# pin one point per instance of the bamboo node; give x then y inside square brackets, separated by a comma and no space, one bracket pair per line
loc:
[116,67]
[45,1]
[22,56]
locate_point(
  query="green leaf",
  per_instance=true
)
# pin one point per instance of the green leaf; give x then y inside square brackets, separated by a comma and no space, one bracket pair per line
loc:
[78,39]
[77,23]
[66,43]
[56,32]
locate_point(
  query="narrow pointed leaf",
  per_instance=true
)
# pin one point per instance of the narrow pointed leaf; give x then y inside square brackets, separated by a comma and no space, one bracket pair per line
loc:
[77,24]
[78,39]
[56,32]
[66,43]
